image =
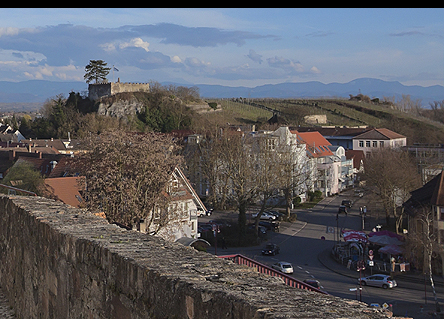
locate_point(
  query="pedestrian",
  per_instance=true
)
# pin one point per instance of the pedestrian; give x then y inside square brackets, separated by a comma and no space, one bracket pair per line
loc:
[224,244]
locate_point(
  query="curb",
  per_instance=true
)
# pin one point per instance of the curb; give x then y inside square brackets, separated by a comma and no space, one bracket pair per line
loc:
[321,260]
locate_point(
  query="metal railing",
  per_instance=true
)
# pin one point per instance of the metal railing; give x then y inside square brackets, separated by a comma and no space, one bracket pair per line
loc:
[288,280]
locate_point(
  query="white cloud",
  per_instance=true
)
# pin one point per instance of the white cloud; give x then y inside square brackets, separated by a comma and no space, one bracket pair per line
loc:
[136,42]
[176,59]
[108,47]
[67,72]
[9,31]
[285,64]
[195,62]
[315,70]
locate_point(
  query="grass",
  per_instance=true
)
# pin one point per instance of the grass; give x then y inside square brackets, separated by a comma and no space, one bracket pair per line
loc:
[339,112]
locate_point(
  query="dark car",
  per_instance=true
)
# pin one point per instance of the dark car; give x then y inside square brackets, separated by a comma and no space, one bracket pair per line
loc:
[271,249]
[270,226]
[347,202]
[261,230]
[343,209]
[313,282]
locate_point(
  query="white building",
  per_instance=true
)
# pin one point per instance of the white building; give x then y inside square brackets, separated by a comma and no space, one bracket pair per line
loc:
[377,138]
[183,211]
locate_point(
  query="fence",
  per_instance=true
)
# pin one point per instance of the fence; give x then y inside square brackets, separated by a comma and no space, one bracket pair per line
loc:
[288,280]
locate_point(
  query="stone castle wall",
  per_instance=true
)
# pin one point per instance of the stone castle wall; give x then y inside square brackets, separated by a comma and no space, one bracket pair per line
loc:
[97,90]
[57,261]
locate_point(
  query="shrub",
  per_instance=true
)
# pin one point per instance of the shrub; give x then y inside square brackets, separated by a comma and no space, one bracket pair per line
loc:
[213,105]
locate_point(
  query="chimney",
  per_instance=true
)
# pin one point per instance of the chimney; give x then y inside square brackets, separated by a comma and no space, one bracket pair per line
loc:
[69,136]
[53,164]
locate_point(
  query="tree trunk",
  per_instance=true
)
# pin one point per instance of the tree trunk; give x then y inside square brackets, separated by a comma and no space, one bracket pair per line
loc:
[432,284]
[288,201]
[242,221]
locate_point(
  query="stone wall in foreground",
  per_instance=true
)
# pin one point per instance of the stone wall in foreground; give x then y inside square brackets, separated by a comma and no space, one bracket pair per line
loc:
[57,261]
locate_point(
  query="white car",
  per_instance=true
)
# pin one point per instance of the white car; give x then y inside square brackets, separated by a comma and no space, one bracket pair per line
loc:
[284,267]
[265,216]
[379,280]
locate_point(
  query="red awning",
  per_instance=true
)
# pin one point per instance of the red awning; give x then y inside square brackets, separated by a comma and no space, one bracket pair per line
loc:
[354,235]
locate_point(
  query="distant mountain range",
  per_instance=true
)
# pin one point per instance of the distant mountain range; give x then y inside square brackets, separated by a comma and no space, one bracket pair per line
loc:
[39,90]
[313,89]
[34,91]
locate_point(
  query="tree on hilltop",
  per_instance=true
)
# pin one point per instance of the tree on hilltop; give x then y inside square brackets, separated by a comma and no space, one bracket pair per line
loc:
[96,71]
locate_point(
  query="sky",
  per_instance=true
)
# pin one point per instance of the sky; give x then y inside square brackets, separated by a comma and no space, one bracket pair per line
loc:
[227,46]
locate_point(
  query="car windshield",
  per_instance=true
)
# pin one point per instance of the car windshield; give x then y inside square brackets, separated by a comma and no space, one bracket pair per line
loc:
[269,246]
[286,266]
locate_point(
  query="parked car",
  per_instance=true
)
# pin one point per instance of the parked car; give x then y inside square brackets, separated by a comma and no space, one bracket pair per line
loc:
[264,216]
[359,193]
[313,282]
[379,280]
[202,228]
[347,202]
[274,226]
[271,249]
[284,267]
[261,230]
[279,216]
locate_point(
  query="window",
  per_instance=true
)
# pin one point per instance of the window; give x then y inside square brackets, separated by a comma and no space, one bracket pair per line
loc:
[361,143]
[381,143]
[375,143]
[367,143]
[271,144]
[441,213]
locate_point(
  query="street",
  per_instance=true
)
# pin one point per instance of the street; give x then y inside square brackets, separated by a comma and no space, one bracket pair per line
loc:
[302,245]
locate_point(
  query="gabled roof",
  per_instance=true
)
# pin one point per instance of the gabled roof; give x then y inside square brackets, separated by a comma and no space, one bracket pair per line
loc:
[379,134]
[316,144]
[65,189]
[432,193]
[190,192]
[335,131]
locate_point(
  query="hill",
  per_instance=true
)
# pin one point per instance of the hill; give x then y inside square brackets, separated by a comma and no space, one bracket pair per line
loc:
[339,112]
[314,89]
[40,90]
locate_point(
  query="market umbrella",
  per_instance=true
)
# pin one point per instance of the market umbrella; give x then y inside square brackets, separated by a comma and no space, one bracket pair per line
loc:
[391,249]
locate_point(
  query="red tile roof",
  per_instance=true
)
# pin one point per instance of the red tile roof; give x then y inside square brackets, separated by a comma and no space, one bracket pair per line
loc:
[65,189]
[317,145]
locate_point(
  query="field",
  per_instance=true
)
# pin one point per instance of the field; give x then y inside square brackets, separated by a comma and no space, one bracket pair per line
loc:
[339,112]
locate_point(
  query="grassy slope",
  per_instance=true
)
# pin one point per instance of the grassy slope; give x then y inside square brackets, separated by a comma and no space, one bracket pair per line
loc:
[339,112]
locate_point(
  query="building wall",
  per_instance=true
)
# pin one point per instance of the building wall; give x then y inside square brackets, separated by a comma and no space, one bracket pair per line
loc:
[368,146]
[57,261]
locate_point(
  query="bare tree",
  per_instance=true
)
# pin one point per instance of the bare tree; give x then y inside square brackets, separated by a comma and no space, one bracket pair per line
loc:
[422,243]
[241,174]
[127,174]
[393,175]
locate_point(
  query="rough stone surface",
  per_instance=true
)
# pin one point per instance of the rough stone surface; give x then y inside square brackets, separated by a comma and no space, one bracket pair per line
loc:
[57,261]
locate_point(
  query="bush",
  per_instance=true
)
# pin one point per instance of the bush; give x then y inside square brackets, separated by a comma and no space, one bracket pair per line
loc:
[213,105]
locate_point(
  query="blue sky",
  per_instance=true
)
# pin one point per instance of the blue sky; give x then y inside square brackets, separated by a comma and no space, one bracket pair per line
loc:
[234,47]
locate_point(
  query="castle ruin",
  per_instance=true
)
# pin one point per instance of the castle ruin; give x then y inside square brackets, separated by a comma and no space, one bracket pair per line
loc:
[98,90]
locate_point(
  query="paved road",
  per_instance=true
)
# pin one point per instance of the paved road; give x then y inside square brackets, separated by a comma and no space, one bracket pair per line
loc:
[301,245]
